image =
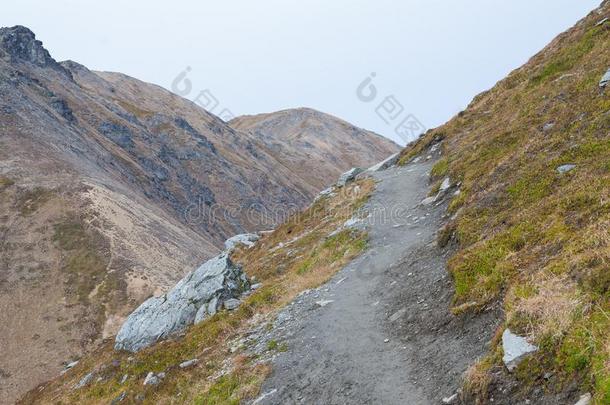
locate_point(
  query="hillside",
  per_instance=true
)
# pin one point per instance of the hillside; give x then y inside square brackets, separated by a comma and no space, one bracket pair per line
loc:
[413,286]
[112,189]
[314,144]
[532,223]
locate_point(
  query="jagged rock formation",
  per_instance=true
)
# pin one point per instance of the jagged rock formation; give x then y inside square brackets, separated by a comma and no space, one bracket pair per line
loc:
[195,297]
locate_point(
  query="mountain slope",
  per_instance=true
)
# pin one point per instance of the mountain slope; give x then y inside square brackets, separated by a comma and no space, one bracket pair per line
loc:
[532,222]
[111,189]
[315,144]
[529,231]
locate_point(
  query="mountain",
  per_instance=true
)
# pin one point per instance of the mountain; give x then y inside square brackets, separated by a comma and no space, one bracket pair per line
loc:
[523,183]
[112,189]
[313,143]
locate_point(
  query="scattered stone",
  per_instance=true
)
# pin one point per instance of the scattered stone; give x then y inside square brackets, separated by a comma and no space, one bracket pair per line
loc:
[153,379]
[428,200]
[232,304]
[124,379]
[548,126]
[445,185]
[397,315]
[584,399]
[386,340]
[602,22]
[188,363]
[329,192]
[247,239]
[323,303]
[565,168]
[211,285]
[516,348]
[120,398]
[84,381]
[256,286]
[265,395]
[356,224]
[605,80]
[68,367]
[349,176]
[451,400]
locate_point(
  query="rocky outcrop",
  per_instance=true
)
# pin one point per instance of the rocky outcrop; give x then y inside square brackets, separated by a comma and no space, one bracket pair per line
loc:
[196,296]
[21,45]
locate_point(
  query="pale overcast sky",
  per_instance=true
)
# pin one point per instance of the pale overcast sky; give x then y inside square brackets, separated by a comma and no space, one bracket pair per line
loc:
[260,56]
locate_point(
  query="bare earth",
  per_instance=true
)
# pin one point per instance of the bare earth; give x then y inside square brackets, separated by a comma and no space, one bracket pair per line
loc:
[385,334]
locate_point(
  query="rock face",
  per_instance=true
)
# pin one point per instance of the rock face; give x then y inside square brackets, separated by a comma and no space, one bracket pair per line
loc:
[21,45]
[196,296]
[516,348]
[247,239]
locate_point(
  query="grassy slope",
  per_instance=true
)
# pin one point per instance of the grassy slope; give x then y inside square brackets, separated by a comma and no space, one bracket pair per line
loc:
[299,255]
[533,239]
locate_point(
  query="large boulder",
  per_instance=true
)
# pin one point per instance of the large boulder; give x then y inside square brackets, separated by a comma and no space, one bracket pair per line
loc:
[197,295]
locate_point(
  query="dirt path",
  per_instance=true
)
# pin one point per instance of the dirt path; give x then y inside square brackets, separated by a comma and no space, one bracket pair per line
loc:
[380,331]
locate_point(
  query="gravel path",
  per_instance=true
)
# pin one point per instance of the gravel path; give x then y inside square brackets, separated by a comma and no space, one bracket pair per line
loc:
[380,331]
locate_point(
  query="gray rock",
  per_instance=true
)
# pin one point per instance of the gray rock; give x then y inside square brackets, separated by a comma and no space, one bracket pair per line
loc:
[329,192]
[153,379]
[584,399]
[120,398]
[397,315]
[565,168]
[605,80]
[215,282]
[84,381]
[445,185]
[601,22]
[451,400]
[356,224]
[256,286]
[516,348]
[247,239]
[124,379]
[232,304]
[188,363]
[349,176]
[428,200]
[202,314]
[548,126]
[68,367]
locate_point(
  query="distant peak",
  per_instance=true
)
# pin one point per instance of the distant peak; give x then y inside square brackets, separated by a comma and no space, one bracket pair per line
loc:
[20,44]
